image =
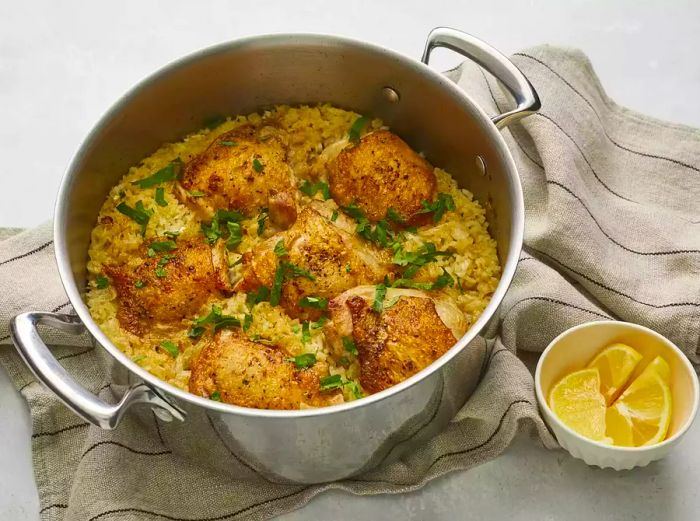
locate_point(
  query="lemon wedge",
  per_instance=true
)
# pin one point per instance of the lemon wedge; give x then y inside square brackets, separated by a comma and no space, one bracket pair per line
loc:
[642,413]
[615,364]
[577,401]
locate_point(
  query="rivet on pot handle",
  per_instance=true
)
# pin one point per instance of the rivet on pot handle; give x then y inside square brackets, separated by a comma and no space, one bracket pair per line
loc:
[48,371]
[494,62]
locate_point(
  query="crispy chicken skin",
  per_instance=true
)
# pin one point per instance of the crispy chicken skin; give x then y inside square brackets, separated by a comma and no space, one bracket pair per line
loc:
[382,172]
[251,374]
[335,257]
[245,170]
[401,340]
[193,272]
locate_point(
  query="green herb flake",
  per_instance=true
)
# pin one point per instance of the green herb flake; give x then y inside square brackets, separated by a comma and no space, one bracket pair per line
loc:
[393,215]
[379,294]
[196,332]
[140,284]
[262,294]
[228,143]
[348,268]
[280,250]
[165,174]
[276,291]
[354,389]
[247,321]
[390,303]
[258,166]
[313,302]
[226,322]
[264,214]
[216,396]
[158,246]
[262,340]
[311,189]
[171,235]
[160,272]
[349,345]
[344,361]
[235,235]
[138,213]
[196,193]
[101,282]
[356,129]
[305,333]
[415,260]
[334,216]
[218,226]
[138,358]
[320,322]
[170,347]
[443,203]
[331,382]
[303,361]
[160,196]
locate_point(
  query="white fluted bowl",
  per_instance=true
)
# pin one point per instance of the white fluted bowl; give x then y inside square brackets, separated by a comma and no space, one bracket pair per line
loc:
[575,347]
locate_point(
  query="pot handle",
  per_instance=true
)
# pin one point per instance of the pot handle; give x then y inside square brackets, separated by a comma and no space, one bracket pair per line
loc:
[495,63]
[35,353]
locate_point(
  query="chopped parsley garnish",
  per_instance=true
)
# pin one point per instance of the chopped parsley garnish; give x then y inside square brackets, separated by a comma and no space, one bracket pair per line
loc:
[234,235]
[140,284]
[171,235]
[262,294]
[170,347]
[389,303]
[216,396]
[138,358]
[160,196]
[302,361]
[216,319]
[286,270]
[393,215]
[319,323]
[196,331]
[334,216]
[312,189]
[138,213]
[348,268]
[264,214]
[344,361]
[414,260]
[101,282]
[228,143]
[349,345]
[305,332]
[354,389]
[257,165]
[196,193]
[313,302]
[438,207]
[165,174]
[356,129]
[442,281]
[247,321]
[333,381]
[379,295]
[280,250]
[160,246]
[262,340]
[216,229]
[381,233]
[160,268]
[214,121]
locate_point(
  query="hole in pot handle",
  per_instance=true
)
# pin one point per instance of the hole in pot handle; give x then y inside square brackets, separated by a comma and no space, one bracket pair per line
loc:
[495,63]
[49,372]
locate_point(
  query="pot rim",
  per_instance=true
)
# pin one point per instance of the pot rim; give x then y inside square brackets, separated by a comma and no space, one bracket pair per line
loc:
[74,295]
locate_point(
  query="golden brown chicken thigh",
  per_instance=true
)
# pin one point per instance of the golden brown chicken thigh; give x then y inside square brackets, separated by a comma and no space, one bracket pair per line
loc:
[329,251]
[245,170]
[251,374]
[382,172]
[413,330]
[168,285]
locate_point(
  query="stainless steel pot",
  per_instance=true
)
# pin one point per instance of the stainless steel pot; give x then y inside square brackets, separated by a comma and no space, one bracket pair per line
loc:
[242,76]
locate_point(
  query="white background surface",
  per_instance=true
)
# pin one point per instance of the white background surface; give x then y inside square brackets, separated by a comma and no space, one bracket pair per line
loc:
[63,63]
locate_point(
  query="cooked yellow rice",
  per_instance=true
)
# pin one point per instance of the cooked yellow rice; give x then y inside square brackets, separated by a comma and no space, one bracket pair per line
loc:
[475,265]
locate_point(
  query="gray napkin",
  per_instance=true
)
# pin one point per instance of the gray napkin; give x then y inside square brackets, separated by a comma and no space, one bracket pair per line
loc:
[613,221]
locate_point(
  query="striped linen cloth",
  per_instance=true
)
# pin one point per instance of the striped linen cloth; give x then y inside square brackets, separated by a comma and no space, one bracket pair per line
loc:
[613,231]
